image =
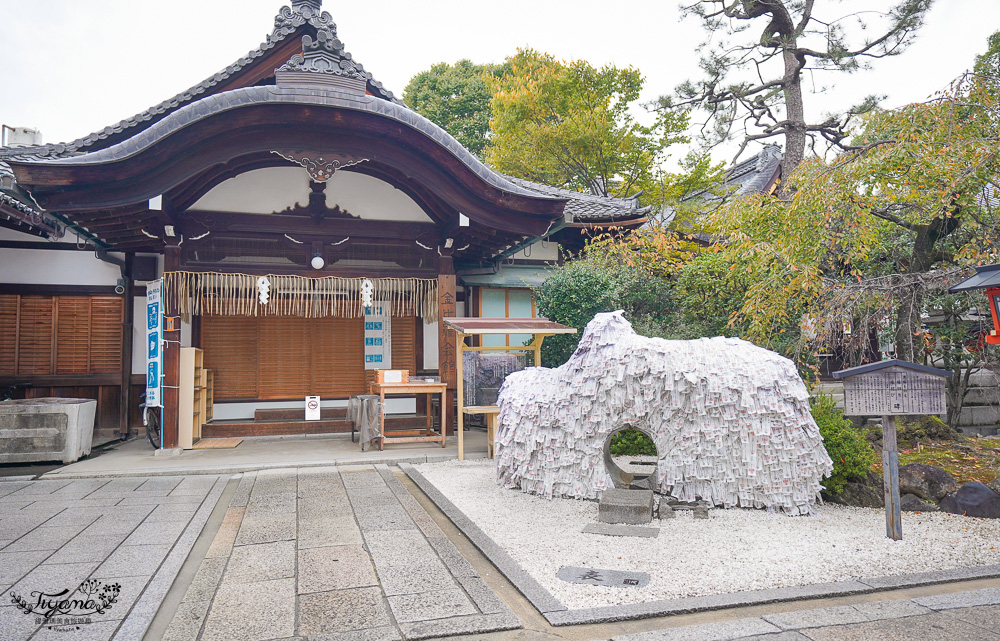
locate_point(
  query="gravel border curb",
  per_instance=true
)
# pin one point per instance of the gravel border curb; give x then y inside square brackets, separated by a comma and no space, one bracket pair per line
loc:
[539,597]
[558,614]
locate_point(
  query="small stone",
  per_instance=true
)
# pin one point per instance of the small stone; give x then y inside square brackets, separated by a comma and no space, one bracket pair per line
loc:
[701,512]
[913,503]
[927,482]
[664,511]
[973,499]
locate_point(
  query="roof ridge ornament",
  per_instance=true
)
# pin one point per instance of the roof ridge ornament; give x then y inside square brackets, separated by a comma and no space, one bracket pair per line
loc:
[302,12]
[323,63]
[300,5]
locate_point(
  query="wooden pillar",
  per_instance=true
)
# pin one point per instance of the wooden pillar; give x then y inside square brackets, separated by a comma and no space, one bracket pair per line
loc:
[446,337]
[127,321]
[171,359]
[890,477]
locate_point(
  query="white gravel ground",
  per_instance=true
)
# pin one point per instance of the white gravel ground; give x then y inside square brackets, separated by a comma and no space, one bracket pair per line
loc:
[734,550]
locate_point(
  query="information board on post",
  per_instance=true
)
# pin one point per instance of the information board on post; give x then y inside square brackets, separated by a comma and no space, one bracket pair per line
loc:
[154,342]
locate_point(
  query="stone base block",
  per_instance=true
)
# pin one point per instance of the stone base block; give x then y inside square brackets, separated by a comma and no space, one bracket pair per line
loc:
[46,429]
[626,506]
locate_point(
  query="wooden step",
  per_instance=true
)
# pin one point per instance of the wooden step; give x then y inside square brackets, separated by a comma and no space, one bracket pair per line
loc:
[292,427]
[297,414]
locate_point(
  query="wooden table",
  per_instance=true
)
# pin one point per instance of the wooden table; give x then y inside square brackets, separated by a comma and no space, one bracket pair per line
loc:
[411,436]
[491,412]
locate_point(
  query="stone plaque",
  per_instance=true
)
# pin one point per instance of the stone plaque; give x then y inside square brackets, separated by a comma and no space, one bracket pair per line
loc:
[894,390]
[609,578]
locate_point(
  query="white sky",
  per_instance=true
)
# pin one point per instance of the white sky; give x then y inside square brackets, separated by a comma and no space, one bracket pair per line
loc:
[70,67]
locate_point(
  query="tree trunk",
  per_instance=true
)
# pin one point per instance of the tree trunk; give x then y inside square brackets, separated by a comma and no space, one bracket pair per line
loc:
[908,345]
[795,129]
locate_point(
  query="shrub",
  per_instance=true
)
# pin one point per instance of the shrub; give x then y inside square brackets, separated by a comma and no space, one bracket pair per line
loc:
[578,290]
[632,443]
[846,445]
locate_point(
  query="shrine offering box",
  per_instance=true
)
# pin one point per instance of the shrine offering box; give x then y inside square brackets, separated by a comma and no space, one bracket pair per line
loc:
[392,376]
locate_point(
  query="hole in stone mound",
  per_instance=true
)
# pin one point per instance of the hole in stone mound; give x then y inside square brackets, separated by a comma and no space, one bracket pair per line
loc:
[630,457]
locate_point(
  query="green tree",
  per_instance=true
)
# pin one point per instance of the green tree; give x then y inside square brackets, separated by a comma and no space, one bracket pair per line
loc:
[568,124]
[866,244]
[778,41]
[988,63]
[456,98]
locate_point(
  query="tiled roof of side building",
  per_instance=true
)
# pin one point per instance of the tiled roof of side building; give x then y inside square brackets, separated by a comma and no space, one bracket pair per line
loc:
[756,174]
[588,207]
[287,22]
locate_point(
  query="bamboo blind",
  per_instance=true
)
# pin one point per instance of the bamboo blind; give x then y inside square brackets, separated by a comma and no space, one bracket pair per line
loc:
[272,357]
[45,335]
[220,294]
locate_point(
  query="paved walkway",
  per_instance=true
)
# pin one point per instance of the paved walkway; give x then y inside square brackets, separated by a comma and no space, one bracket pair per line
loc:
[350,553]
[136,458]
[333,553]
[133,533]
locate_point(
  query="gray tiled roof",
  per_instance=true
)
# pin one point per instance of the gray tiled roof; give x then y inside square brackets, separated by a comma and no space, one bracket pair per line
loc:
[754,175]
[287,22]
[588,207]
[18,206]
[238,98]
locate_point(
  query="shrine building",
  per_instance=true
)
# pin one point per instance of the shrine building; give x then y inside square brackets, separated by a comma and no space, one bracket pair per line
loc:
[285,202]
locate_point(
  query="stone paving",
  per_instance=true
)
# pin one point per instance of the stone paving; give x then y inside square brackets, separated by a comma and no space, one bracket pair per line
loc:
[333,553]
[134,532]
[957,616]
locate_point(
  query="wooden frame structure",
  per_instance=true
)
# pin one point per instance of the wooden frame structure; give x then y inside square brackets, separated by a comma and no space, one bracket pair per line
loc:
[541,328]
[412,435]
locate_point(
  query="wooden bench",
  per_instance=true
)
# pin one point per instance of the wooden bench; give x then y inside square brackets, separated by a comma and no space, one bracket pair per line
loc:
[491,412]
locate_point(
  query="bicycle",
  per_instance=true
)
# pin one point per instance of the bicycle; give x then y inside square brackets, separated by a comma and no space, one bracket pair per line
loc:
[151,420]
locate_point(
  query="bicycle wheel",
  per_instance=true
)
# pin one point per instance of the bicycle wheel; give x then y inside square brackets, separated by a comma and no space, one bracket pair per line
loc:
[153,426]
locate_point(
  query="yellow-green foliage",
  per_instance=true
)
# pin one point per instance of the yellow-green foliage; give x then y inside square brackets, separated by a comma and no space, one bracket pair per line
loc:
[847,446]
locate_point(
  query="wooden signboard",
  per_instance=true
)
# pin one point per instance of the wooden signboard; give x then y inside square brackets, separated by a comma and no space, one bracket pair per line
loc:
[889,389]
[894,390]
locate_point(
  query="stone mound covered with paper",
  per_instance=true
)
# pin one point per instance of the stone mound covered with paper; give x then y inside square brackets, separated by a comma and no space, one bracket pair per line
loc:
[730,420]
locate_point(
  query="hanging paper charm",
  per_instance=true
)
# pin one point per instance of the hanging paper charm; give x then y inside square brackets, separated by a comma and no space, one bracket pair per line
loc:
[263,289]
[367,293]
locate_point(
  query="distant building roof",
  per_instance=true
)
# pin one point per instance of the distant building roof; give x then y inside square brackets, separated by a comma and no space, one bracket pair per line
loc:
[756,175]
[985,276]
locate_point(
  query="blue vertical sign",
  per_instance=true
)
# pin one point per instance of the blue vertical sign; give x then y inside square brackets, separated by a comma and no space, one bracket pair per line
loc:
[378,348]
[154,341]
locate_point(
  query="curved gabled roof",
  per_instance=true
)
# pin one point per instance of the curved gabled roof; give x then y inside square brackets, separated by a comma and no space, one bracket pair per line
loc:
[118,167]
[209,106]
